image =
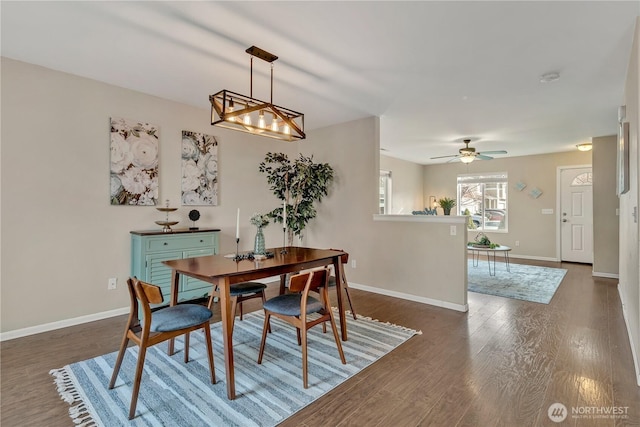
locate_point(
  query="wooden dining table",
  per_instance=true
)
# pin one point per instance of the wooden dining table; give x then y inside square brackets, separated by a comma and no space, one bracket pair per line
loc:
[223,271]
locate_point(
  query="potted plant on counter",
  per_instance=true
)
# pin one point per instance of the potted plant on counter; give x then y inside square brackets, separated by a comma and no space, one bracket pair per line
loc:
[446,204]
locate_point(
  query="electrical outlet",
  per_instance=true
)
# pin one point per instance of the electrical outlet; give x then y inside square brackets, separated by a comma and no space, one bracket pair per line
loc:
[517,242]
[113,283]
[453,230]
[353,263]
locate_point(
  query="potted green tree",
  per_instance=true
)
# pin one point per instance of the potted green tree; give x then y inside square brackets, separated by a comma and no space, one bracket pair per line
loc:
[446,204]
[299,184]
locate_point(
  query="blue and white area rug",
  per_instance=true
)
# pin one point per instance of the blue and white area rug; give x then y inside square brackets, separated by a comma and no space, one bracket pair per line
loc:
[524,282]
[173,393]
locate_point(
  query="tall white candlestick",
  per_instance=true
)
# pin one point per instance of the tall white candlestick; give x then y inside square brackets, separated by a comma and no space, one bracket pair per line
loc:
[238,224]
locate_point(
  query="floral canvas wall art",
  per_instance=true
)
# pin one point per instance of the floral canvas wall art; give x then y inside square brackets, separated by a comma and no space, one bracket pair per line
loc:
[199,169]
[134,162]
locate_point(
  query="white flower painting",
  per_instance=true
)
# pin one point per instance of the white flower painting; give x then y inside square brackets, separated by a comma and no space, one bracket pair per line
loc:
[134,163]
[199,169]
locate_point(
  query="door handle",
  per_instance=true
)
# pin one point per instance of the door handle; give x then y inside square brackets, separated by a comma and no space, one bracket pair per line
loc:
[565,220]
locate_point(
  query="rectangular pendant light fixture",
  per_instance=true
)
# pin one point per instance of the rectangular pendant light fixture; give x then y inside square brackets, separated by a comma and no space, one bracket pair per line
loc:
[231,110]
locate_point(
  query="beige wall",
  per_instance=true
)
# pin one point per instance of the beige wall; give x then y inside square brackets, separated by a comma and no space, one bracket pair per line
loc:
[605,217]
[629,240]
[535,232]
[61,239]
[406,193]
[415,261]
[345,218]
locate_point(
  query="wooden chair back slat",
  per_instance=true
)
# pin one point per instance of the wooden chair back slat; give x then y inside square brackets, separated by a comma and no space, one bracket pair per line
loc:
[319,279]
[298,282]
[152,292]
[133,312]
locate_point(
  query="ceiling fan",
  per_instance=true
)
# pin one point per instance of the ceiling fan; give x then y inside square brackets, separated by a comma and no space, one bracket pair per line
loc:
[468,154]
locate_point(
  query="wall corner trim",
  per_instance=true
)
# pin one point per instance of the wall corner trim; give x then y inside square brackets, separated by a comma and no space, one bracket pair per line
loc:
[636,362]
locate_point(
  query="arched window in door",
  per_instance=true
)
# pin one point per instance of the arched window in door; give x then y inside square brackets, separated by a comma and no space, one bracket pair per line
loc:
[585,178]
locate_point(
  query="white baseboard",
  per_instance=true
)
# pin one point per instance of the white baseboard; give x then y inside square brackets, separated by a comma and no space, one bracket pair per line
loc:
[605,275]
[402,295]
[634,355]
[19,333]
[536,258]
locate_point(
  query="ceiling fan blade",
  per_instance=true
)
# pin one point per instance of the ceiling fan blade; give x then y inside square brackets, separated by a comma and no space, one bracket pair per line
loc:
[455,159]
[442,157]
[483,157]
[493,152]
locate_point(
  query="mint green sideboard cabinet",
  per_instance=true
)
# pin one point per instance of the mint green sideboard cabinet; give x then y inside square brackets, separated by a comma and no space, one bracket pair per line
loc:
[150,248]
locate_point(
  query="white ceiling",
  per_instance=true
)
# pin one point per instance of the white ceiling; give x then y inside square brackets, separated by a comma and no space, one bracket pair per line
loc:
[435,72]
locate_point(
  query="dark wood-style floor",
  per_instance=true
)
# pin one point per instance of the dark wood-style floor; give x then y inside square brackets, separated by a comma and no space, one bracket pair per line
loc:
[502,363]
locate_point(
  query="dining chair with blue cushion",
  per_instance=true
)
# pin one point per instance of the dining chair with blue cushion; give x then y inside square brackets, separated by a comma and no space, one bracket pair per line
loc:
[295,308]
[240,292]
[159,326]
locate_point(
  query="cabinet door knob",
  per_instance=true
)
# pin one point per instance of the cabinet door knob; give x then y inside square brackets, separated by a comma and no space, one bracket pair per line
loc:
[165,243]
[201,241]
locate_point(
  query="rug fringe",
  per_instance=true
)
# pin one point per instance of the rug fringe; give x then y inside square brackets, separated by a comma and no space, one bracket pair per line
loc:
[64,385]
[359,316]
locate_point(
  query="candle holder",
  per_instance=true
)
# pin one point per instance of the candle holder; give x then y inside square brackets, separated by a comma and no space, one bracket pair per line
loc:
[238,257]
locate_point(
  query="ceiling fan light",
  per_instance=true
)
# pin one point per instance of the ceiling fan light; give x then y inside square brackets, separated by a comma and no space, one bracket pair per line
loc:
[467,159]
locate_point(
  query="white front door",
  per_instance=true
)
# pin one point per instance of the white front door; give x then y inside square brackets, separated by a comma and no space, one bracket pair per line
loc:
[576,215]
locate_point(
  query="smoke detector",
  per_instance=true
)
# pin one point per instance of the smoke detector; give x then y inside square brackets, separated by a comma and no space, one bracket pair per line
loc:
[549,77]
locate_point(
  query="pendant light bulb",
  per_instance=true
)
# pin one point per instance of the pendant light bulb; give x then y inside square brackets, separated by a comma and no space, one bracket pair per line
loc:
[287,129]
[261,123]
[231,119]
[247,117]
[274,124]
